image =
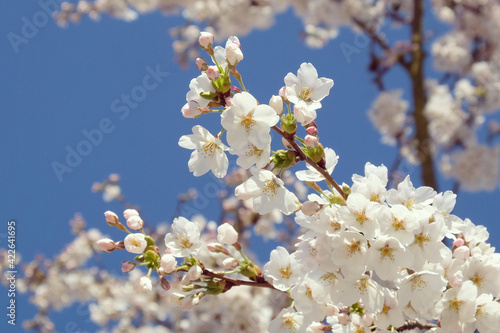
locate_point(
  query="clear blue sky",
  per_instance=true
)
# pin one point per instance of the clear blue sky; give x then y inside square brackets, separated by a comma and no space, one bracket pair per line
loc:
[63,82]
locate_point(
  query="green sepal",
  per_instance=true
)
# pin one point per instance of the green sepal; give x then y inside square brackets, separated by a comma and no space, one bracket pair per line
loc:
[215,287]
[315,154]
[284,159]
[288,123]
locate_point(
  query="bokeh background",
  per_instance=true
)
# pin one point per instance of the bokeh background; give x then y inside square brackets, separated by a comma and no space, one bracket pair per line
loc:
[59,83]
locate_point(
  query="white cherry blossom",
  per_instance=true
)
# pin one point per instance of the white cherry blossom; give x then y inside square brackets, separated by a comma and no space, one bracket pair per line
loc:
[208,154]
[247,122]
[267,192]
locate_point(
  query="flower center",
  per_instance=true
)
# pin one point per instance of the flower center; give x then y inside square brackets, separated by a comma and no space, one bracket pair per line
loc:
[184,242]
[387,252]
[361,216]
[271,187]
[248,122]
[289,323]
[418,283]
[305,93]
[422,239]
[285,271]
[398,224]
[208,149]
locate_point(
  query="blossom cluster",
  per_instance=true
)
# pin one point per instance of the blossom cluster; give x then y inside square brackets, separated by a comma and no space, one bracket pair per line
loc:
[366,257]
[457,109]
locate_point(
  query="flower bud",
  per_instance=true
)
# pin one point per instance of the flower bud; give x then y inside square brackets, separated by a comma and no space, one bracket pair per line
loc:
[106,245]
[130,212]
[233,51]
[128,266]
[111,218]
[230,263]
[144,285]
[213,73]
[217,248]
[201,64]
[119,245]
[457,243]
[206,39]
[135,223]
[310,208]
[191,110]
[462,252]
[226,234]
[277,104]
[311,141]
[312,130]
[168,263]
[164,283]
[229,101]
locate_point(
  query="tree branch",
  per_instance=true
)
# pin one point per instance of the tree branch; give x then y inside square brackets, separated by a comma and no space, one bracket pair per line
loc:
[304,157]
[416,72]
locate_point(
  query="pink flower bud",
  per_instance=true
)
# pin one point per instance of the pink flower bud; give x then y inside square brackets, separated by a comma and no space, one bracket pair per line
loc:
[230,263]
[130,212]
[164,283]
[206,39]
[235,89]
[283,95]
[213,73]
[191,110]
[106,245]
[120,245]
[135,223]
[201,64]
[310,208]
[229,101]
[168,263]
[343,319]
[462,252]
[367,319]
[226,234]
[233,51]
[311,141]
[114,178]
[128,266]
[111,218]
[457,243]
[312,130]
[277,104]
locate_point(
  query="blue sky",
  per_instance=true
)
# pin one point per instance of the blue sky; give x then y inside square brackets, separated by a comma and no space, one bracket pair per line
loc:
[59,84]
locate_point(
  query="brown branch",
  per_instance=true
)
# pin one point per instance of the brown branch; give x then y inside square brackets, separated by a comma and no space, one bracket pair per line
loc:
[233,282]
[410,325]
[416,72]
[309,161]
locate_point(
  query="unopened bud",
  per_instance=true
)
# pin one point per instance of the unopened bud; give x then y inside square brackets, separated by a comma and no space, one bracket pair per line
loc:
[276,102]
[106,245]
[230,263]
[111,218]
[226,234]
[311,141]
[164,283]
[129,213]
[206,39]
[201,64]
[235,89]
[312,130]
[135,223]
[128,266]
[120,245]
[310,208]
[213,73]
[217,248]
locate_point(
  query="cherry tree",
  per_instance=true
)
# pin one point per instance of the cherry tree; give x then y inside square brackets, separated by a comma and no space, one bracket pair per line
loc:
[375,254]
